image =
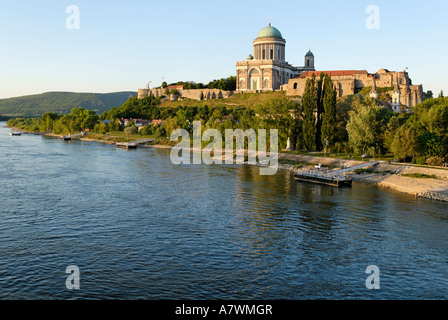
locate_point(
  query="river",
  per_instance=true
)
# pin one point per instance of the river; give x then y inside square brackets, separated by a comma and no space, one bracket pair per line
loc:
[139,227]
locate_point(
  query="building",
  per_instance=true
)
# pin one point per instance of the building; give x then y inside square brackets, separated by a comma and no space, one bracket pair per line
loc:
[397,84]
[267,69]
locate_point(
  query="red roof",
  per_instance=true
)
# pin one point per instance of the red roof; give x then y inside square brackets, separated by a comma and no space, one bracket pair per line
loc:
[180,87]
[157,122]
[386,104]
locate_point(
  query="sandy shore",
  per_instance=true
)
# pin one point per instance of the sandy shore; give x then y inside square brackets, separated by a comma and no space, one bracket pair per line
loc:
[434,189]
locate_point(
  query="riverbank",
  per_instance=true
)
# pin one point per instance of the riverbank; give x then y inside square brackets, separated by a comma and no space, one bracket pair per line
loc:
[385,175]
[389,176]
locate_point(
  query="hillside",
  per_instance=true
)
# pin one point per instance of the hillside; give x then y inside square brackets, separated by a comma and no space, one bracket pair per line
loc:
[236,100]
[62,102]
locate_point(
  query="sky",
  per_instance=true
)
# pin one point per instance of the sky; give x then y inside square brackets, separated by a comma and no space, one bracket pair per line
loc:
[123,45]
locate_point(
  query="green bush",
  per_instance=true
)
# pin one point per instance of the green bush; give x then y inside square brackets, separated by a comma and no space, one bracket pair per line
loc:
[131,130]
[160,132]
[147,130]
[361,171]
[420,160]
[420,175]
[435,161]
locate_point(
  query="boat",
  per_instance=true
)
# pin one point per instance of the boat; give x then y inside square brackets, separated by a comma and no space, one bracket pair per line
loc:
[322,178]
[15,133]
[126,145]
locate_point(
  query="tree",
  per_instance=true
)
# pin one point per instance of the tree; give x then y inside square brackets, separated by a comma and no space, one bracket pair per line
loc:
[329,112]
[227,84]
[47,121]
[164,84]
[431,145]
[160,132]
[429,94]
[278,114]
[146,130]
[319,111]
[129,131]
[404,143]
[395,123]
[441,94]
[170,125]
[309,100]
[366,128]
[101,128]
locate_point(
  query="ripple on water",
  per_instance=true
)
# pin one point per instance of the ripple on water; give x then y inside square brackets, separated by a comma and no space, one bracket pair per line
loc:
[139,227]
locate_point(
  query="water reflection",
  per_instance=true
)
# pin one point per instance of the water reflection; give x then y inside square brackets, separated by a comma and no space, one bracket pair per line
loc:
[140,227]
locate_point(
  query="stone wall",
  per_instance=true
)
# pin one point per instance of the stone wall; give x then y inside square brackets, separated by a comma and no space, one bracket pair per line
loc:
[353,81]
[344,86]
[193,94]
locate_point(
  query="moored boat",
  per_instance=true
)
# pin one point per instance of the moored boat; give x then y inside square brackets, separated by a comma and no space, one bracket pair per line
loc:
[319,178]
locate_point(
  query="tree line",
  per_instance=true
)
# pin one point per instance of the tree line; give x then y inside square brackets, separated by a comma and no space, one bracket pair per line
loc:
[226,84]
[355,125]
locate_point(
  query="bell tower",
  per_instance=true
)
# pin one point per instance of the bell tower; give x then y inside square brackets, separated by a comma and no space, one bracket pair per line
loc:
[309,61]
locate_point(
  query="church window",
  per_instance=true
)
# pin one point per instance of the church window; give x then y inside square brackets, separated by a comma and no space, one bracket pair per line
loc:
[307,62]
[279,54]
[264,54]
[295,86]
[272,54]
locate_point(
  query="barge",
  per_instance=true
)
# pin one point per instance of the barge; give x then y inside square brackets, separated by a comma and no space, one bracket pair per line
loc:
[322,178]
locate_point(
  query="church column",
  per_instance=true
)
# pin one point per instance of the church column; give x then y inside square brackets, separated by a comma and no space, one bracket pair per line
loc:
[261,80]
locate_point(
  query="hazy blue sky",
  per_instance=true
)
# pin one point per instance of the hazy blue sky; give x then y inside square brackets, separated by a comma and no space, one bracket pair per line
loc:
[122,45]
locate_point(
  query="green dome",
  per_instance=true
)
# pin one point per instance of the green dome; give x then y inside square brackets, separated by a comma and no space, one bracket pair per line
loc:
[250,57]
[309,54]
[269,32]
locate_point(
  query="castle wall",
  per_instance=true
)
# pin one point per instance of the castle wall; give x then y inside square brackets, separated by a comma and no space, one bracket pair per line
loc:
[345,85]
[193,94]
[348,84]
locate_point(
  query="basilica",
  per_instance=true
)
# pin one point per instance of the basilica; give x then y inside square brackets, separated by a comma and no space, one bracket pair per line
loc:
[267,69]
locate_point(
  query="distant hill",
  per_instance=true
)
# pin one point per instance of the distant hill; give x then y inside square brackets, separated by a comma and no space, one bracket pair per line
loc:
[62,102]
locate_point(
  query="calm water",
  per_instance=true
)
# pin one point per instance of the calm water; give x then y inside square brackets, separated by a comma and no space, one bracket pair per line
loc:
[139,227]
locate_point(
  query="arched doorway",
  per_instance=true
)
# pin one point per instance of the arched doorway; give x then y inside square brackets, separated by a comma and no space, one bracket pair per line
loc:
[254,79]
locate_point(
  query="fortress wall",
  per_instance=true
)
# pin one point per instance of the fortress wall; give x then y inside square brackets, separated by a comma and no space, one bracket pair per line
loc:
[344,86]
[194,94]
[298,83]
[143,93]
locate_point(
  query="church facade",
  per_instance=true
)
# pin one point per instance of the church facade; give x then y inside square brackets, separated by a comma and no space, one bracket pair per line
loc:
[267,69]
